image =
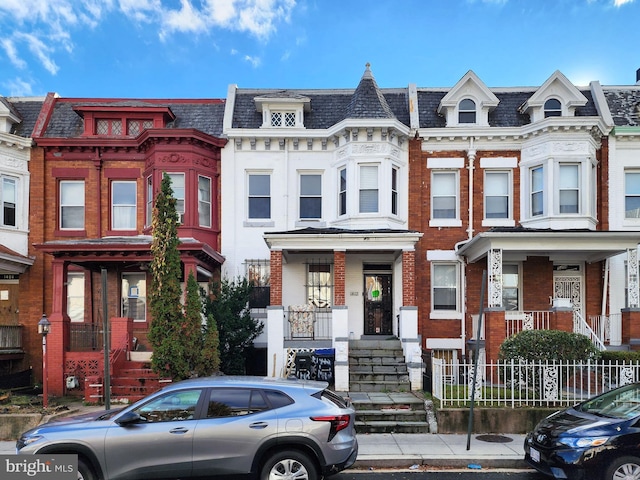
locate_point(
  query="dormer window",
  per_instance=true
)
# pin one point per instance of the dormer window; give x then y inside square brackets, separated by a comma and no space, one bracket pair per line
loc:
[135,126]
[109,126]
[552,108]
[467,111]
[283,119]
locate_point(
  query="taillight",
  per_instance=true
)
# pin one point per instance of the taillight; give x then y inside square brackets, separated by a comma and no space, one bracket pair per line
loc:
[338,422]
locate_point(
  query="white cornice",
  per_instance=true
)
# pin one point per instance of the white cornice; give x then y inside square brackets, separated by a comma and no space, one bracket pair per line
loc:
[374,241]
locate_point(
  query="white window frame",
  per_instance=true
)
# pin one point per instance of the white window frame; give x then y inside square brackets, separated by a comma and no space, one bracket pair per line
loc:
[541,191]
[552,112]
[498,221]
[204,204]
[627,195]
[395,198]
[73,202]
[7,202]
[369,183]
[518,287]
[257,195]
[467,111]
[343,183]
[312,196]
[561,187]
[456,312]
[451,221]
[115,207]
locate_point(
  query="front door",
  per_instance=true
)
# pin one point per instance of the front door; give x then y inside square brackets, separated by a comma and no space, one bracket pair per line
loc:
[9,302]
[568,285]
[377,304]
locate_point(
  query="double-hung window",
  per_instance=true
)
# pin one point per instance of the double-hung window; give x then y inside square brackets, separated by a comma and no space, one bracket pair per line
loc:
[444,286]
[149,199]
[342,192]
[632,194]
[444,199]
[496,194]
[310,196]
[259,196]
[511,286]
[204,201]
[259,276]
[72,204]
[394,191]
[569,189]
[123,205]
[75,296]
[537,191]
[9,193]
[467,111]
[368,189]
[319,285]
[552,108]
[177,185]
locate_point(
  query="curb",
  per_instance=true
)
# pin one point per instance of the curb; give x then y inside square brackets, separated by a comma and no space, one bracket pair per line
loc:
[366,462]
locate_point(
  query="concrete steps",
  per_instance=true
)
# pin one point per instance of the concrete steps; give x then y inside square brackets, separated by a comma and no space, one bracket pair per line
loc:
[398,412]
[130,382]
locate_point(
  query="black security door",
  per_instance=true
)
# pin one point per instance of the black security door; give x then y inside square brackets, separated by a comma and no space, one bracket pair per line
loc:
[377,304]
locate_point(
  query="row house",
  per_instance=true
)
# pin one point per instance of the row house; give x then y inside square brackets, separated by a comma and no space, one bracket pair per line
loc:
[519,187]
[386,214]
[315,213]
[17,119]
[95,170]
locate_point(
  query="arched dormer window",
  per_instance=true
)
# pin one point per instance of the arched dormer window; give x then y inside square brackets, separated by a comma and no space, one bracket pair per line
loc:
[552,108]
[467,111]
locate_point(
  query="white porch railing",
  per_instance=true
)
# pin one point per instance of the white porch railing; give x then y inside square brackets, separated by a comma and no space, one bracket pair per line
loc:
[519,384]
[516,321]
[581,326]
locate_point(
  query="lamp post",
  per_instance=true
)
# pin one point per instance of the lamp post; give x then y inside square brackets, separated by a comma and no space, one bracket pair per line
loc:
[44,325]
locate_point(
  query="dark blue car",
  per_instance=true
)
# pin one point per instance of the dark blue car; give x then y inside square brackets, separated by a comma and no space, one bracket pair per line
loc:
[596,439]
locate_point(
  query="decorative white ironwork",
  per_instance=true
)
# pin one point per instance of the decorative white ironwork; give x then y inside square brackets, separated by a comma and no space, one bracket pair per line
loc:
[632,278]
[550,374]
[527,321]
[626,376]
[495,277]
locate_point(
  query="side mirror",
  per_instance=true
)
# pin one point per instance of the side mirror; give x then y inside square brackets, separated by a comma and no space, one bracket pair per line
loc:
[128,418]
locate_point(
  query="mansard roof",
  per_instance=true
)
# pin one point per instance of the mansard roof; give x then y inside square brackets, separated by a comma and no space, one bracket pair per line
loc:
[328,106]
[28,109]
[505,114]
[204,115]
[624,104]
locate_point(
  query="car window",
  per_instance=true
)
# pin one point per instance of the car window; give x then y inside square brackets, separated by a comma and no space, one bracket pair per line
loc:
[171,407]
[618,403]
[277,399]
[233,402]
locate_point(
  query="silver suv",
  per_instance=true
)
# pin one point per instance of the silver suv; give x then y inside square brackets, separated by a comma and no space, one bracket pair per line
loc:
[214,426]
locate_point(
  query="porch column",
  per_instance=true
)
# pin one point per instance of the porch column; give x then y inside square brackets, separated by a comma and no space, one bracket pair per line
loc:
[275,290]
[408,321]
[275,341]
[58,338]
[339,266]
[632,278]
[494,260]
[340,329]
[189,267]
[495,332]
[409,278]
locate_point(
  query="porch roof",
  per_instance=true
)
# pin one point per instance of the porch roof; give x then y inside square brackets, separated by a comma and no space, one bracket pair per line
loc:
[329,239]
[123,249]
[565,245]
[13,262]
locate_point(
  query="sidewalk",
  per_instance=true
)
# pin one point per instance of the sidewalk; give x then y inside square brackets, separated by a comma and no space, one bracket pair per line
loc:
[407,450]
[404,450]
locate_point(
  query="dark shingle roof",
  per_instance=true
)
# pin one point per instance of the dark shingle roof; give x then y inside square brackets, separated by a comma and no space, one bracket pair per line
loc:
[368,101]
[624,104]
[202,115]
[506,114]
[29,111]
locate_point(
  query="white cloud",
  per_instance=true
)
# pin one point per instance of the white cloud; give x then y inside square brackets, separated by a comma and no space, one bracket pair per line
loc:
[40,50]
[619,3]
[10,49]
[187,19]
[254,61]
[18,88]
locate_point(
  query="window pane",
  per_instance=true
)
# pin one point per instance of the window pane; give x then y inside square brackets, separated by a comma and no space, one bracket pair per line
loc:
[259,185]
[444,207]
[444,287]
[444,184]
[510,284]
[569,201]
[310,184]
[343,192]
[444,275]
[368,189]
[632,207]
[204,201]
[124,205]
[568,176]
[632,183]
[496,183]
[497,207]
[134,296]
[310,207]
[9,197]
[496,187]
[75,296]
[72,204]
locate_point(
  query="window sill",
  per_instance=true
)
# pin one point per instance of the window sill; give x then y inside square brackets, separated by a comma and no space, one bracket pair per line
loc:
[498,222]
[70,233]
[445,315]
[122,233]
[258,223]
[445,223]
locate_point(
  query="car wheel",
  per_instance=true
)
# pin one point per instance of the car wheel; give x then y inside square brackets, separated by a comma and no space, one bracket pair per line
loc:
[85,472]
[624,468]
[289,465]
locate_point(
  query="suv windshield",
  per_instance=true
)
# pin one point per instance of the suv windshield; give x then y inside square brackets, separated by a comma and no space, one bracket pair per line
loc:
[623,403]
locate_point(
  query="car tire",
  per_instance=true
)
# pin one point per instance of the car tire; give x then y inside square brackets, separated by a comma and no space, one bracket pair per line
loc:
[285,464]
[623,468]
[85,472]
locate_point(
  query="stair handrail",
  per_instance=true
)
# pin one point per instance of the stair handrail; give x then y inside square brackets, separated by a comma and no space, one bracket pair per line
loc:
[580,325]
[121,348]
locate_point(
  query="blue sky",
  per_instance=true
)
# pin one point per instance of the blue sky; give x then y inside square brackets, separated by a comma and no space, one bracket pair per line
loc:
[196,48]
